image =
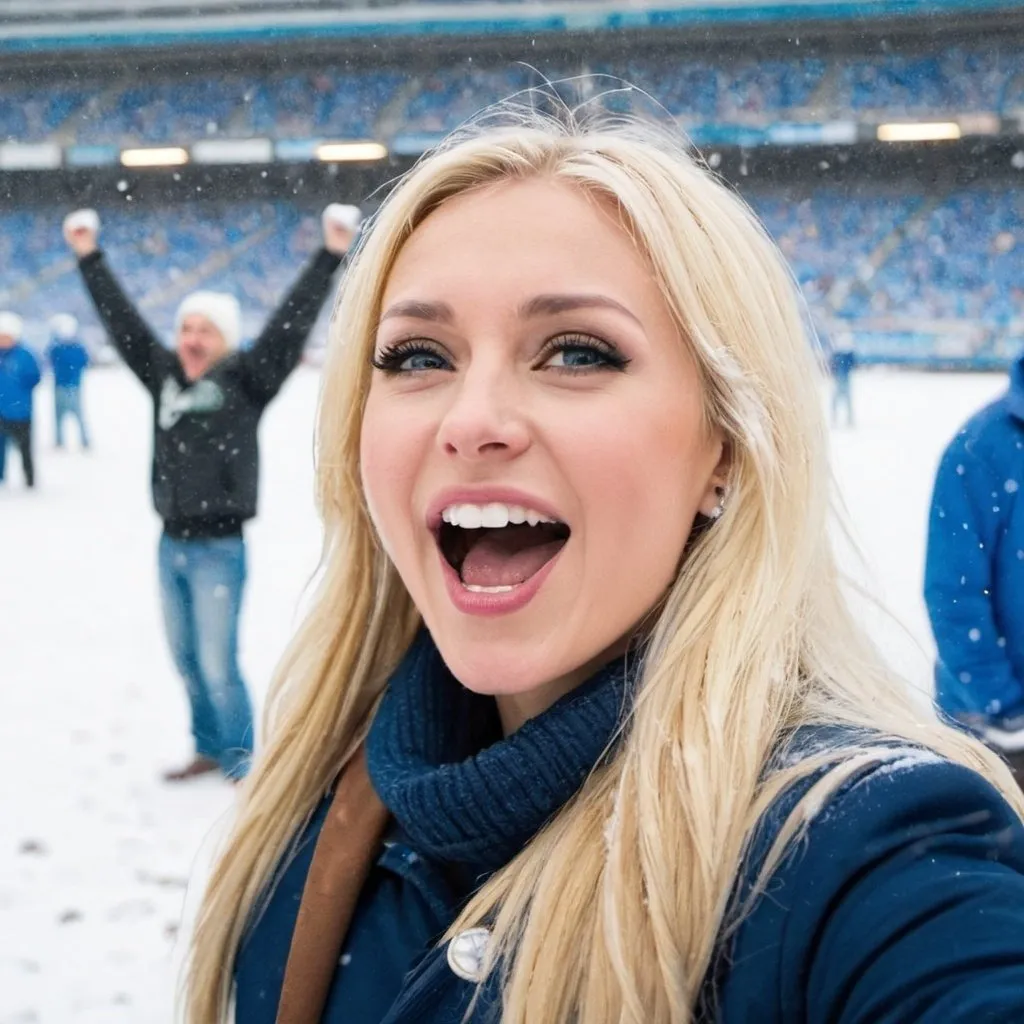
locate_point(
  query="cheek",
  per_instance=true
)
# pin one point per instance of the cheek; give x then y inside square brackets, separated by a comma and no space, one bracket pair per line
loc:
[389,457]
[641,475]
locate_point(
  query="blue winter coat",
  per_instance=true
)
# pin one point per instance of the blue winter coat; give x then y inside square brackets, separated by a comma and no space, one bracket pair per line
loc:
[19,374]
[974,575]
[69,360]
[903,905]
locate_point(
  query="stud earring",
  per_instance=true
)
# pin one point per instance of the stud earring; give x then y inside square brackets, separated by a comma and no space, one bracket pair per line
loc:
[716,512]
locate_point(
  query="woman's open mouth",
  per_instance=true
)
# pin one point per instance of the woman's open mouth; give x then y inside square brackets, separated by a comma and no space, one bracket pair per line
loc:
[495,548]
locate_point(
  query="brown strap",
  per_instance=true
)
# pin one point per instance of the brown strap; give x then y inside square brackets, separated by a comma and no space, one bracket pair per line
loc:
[344,853]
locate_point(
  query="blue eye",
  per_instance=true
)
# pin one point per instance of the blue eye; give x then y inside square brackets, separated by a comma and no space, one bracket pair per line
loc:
[410,357]
[422,361]
[581,354]
[576,357]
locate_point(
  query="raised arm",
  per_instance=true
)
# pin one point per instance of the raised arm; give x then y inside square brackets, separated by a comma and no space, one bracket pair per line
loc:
[278,349]
[134,340]
[963,538]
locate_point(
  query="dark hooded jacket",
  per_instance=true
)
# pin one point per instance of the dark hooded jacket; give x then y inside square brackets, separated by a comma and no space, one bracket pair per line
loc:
[205,472]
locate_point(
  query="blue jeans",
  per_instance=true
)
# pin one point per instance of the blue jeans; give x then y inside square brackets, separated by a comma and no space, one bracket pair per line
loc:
[201,584]
[842,398]
[68,402]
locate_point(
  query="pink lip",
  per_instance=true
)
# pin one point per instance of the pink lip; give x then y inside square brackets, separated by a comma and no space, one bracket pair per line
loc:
[483,496]
[470,603]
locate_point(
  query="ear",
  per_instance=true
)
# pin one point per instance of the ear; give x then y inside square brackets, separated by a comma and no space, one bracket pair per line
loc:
[716,493]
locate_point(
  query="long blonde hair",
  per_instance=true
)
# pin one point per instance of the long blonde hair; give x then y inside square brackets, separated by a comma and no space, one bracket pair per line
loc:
[614,911]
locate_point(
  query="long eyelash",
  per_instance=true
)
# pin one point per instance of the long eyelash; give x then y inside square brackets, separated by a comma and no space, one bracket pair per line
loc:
[616,360]
[389,360]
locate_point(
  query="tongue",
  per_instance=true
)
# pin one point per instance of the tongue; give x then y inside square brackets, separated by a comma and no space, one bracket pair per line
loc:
[503,558]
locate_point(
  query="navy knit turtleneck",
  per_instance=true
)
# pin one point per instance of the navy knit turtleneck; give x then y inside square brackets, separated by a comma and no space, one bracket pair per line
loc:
[462,793]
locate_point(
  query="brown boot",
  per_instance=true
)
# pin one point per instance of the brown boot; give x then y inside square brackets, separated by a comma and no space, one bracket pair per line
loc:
[197,766]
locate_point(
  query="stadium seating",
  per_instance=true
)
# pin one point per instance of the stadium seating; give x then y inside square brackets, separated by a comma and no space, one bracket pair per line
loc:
[33,115]
[953,79]
[883,259]
[731,91]
[892,258]
[349,103]
[963,261]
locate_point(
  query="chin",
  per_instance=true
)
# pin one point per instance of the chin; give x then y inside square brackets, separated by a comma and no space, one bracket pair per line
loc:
[494,666]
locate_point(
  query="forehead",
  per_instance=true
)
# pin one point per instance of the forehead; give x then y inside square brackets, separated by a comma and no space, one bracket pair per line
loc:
[530,235]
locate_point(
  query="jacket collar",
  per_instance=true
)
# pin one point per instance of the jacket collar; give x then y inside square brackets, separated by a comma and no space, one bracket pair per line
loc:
[460,791]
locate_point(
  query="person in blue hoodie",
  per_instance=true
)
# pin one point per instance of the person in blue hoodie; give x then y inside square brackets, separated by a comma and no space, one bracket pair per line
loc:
[974,573]
[580,728]
[19,375]
[68,357]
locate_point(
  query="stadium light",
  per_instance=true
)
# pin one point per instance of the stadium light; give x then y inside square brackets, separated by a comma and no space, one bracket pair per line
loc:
[167,156]
[346,152]
[935,131]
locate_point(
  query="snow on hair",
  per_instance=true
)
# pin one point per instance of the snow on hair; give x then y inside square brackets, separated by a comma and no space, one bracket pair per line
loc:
[753,640]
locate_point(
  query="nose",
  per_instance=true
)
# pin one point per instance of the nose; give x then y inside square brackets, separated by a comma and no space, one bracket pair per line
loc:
[485,420]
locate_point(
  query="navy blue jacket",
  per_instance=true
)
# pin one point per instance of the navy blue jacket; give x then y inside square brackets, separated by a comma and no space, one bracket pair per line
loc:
[19,374]
[974,574]
[903,903]
[69,360]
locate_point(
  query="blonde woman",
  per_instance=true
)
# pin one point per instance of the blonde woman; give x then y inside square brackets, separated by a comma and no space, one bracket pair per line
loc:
[580,728]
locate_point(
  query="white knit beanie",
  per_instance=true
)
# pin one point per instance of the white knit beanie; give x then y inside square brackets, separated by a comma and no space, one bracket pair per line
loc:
[220,308]
[11,325]
[64,327]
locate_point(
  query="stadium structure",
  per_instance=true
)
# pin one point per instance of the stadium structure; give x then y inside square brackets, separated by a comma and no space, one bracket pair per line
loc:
[881,141]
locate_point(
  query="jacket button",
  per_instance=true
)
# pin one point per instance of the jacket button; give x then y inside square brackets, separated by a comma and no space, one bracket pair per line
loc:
[467,954]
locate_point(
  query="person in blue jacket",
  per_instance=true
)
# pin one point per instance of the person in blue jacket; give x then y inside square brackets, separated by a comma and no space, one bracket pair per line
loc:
[974,573]
[68,357]
[579,727]
[842,363]
[19,375]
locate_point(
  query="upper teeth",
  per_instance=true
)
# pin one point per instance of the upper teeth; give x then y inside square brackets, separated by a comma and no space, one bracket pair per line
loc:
[492,515]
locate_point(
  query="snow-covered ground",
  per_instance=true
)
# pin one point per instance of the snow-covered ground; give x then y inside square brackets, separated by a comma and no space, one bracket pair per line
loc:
[96,853]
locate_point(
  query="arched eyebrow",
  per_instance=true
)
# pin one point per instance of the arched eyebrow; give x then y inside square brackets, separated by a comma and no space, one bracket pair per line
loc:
[419,309]
[549,305]
[539,305]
